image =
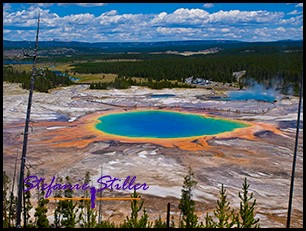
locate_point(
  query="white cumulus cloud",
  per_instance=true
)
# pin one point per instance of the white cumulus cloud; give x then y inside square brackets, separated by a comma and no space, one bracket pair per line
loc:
[294,12]
[263,32]
[176,30]
[208,5]
[181,16]
[281,29]
[225,30]
[182,23]
[112,12]
[44,4]
[79,18]
[237,16]
[293,20]
[83,4]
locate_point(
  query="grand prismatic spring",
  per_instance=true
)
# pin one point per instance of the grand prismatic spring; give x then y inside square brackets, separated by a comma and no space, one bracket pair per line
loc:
[164,124]
[168,128]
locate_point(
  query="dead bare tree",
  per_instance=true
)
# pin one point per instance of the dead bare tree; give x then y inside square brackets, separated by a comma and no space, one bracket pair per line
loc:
[295,154]
[26,128]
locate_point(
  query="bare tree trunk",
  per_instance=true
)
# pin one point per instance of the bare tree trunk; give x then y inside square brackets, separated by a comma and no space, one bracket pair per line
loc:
[25,134]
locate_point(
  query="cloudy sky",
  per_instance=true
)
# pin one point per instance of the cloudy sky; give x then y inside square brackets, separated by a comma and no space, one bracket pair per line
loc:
[144,22]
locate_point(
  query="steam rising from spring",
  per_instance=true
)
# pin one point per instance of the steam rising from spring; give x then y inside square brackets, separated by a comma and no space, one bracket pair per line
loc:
[256,92]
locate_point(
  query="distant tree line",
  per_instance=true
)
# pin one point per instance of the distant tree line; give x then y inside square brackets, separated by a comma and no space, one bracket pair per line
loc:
[75,58]
[161,69]
[125,83]
[43,82]
[73,214]
[279,70]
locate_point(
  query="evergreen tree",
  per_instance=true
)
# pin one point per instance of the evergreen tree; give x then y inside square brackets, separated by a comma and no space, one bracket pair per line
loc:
[133,221]
[68,209]
[187,205]
[41,211]
[58,210]
[144,220]
[5,201]
[159,223]
[28,204]
[87,215]
[12,209]
[246,219]
[209,222]
[223,213]
[106,224]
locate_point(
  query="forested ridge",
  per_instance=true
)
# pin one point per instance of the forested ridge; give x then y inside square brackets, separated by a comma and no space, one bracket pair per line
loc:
[269,66]
[282,71]
[143,47]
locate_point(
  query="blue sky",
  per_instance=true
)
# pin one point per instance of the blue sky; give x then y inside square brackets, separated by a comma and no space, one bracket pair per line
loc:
[144,22]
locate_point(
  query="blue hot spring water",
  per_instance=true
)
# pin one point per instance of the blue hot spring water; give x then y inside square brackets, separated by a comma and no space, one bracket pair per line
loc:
[259,95]
[164,124]
[162,95]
